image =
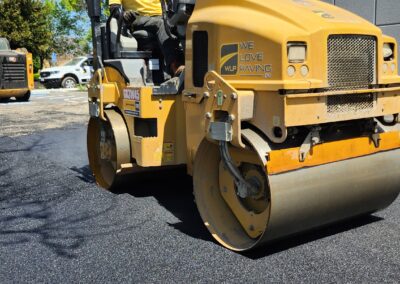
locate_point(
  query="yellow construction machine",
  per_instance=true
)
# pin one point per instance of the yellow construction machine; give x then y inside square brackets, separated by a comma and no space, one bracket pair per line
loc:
[286,116]
[16,72]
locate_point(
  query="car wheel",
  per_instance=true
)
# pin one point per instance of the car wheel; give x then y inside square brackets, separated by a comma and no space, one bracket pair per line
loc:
[25,98]
[68,82]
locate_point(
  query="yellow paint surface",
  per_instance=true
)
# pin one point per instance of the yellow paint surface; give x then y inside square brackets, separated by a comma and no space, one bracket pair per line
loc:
[281,161]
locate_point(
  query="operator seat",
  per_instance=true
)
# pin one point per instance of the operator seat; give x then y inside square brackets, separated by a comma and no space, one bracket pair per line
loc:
[122,44]
[137,55]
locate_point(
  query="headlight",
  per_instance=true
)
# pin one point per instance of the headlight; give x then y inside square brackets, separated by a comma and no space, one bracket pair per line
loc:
[388,51]
[297,52]
[54,72]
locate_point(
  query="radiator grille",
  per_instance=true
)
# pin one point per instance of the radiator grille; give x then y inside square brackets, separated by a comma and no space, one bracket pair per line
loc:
[351,103]
[351,62]
[14,72]
[44,74]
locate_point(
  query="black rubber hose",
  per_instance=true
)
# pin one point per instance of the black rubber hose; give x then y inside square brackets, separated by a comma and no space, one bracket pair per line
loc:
[240,182]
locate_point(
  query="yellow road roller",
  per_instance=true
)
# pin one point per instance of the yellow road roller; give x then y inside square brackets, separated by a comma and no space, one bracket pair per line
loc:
[16,72]
[286,115]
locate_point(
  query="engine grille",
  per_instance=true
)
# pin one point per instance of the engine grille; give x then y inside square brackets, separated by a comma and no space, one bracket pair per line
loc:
[14,72]
[351,62]
[351,103]
[44,74]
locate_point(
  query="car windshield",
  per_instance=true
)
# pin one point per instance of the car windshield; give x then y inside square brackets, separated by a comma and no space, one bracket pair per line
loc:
[73,62]
[4,44]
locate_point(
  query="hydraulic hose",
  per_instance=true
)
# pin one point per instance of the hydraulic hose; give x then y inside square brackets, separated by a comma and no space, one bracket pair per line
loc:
[244,188]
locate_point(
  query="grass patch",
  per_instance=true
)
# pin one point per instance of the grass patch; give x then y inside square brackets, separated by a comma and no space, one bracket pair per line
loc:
[82,88]
[36,76]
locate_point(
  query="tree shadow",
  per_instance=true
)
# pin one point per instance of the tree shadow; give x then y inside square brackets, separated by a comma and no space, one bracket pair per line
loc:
[31,221]
[29,215]
[84,174]
[34,205]
[11,145]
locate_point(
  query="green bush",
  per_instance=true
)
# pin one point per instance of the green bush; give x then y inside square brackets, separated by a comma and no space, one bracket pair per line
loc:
[36,76]
[36,64]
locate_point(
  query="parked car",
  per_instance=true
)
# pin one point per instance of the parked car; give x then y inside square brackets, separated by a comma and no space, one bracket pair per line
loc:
[77,71]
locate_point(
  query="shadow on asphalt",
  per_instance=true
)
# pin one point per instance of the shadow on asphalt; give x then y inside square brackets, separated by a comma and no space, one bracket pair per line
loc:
[12,101]
[35,205]
[27,218]
[10,145]
[310,236]
[28,210]
[34,221]
[84,174]
[173,191]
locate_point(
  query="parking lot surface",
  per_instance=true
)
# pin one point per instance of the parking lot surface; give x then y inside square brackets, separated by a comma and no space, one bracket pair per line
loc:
[47,109]
[57,226]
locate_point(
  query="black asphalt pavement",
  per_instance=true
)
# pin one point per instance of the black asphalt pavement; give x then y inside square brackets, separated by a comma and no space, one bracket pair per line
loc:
[57,226]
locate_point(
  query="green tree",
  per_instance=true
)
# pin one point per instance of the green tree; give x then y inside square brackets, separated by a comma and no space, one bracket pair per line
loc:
[80,5]
[74,5]
[70,38]
[27,23]
[70,24]
[46,26]
[68,28]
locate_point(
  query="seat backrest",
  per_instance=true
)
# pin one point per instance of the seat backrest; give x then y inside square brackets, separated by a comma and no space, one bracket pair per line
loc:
[125,44]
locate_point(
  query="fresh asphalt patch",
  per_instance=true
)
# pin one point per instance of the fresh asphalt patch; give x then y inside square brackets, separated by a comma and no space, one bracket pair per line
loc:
[56,226]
